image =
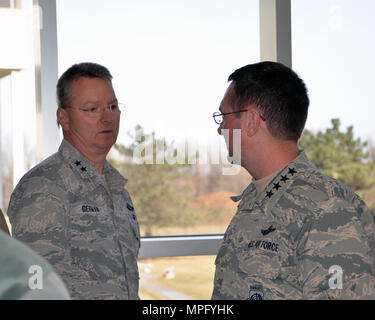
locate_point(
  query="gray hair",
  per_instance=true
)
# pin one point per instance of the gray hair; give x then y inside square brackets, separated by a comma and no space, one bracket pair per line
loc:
[85,69]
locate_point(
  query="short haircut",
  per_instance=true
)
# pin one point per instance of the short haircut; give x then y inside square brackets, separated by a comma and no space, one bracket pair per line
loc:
[278,93]
[85,69]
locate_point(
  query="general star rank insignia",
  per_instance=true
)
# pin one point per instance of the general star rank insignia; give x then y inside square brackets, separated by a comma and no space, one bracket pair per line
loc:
[292,171]
[269,194]
[276,186]
[77,163]
[284,178]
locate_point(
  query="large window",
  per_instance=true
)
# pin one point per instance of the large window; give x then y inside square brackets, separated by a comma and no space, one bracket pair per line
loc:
[170,61]
[333,50]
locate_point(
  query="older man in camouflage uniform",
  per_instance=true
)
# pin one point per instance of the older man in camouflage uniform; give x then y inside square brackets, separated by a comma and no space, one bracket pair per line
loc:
[297,233]
[73,208]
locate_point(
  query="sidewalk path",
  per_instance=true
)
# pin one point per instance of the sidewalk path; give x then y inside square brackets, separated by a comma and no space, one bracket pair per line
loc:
[164,292]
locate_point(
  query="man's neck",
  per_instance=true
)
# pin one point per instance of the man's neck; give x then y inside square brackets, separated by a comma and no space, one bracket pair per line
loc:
[270,158]
[96,159]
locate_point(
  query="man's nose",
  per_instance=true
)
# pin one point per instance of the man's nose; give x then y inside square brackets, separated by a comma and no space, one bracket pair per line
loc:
[106,115]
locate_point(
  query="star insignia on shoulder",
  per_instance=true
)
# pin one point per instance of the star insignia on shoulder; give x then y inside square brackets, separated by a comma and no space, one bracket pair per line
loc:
[292,171]
[77,163]
[284,178]
[83,169]
[276,186]
[269,194]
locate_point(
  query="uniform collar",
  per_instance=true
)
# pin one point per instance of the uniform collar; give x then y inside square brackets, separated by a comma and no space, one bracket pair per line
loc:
[261,184]
[85,170]
[114,176]
[249,190]
[280,182]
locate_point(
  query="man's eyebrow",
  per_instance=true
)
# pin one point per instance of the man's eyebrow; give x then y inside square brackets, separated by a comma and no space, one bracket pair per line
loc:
[97,102]
[90,102]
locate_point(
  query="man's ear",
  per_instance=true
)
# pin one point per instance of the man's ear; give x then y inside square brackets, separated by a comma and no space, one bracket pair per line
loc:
[63,118]
[252,122]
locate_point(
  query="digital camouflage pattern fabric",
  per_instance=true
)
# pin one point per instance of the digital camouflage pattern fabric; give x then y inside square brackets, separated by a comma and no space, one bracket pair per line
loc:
[287,241]
[84,226]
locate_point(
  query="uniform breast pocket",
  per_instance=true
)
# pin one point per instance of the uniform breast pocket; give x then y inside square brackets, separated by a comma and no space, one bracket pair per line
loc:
[94,253]
[90,223]
[262,257]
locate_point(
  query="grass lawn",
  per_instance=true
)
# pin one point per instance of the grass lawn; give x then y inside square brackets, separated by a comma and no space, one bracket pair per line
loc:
[148,295]
[193,275]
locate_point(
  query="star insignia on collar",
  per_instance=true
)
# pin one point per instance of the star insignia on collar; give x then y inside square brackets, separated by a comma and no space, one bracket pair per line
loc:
[77,163]
[292,171]
[276,186]
[269,194]
[83,169]
[284,178]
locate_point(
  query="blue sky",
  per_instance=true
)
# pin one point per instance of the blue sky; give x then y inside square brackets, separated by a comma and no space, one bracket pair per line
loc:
[171,59]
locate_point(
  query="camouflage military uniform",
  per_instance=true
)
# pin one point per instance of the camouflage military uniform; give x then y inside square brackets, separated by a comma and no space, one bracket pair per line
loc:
[86,228]
[287,241]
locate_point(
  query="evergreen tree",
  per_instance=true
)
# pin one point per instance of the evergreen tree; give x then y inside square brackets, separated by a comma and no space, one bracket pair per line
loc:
[339,155]
[159,196]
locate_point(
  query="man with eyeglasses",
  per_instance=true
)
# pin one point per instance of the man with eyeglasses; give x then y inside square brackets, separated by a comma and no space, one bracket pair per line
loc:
[297,233]
[73,208]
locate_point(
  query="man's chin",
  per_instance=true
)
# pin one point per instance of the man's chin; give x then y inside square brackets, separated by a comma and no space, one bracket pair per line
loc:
[106,140]
[106,144]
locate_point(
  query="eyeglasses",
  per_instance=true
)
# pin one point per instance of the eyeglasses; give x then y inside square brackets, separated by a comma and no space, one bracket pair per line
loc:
[94,110]
[219,117]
